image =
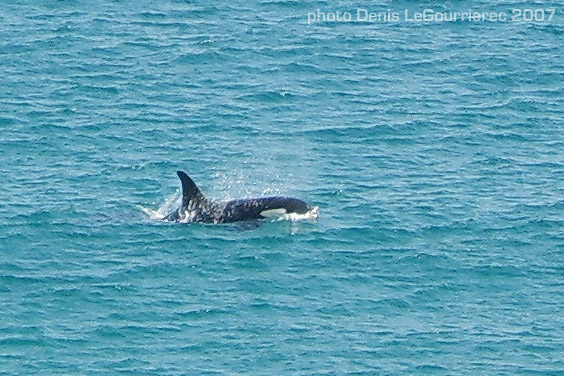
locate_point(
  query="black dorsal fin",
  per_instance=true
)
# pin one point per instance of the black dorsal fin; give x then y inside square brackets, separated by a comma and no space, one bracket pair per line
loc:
[190,191]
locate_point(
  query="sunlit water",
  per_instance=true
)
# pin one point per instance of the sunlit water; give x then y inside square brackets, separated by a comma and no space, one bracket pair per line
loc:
[434,152]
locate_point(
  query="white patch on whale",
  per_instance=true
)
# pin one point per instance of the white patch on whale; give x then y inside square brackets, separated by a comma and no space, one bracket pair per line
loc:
[272,212]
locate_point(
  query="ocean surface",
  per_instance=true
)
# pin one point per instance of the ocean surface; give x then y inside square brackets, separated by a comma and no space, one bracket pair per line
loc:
[434,151]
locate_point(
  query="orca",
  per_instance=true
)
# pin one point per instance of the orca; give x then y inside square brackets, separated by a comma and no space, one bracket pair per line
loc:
[196,207]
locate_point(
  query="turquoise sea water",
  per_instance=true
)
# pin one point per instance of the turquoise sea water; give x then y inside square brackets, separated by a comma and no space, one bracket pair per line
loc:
[435,152]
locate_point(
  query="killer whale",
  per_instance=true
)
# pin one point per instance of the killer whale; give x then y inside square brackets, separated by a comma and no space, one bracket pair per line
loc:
[195,207]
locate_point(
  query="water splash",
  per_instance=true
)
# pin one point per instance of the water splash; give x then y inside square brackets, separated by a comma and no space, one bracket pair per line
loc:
[310,215]
[170,204]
